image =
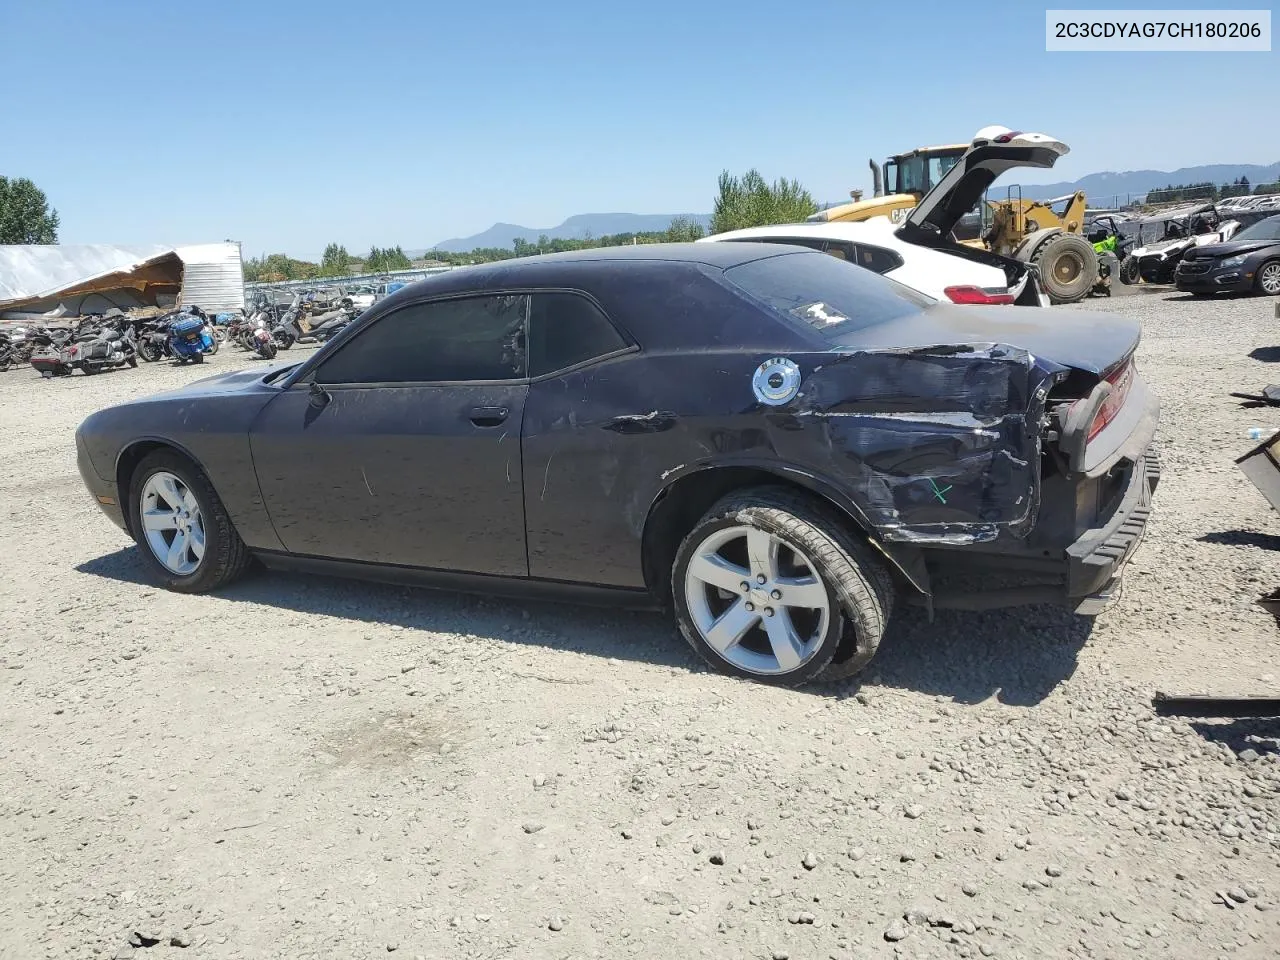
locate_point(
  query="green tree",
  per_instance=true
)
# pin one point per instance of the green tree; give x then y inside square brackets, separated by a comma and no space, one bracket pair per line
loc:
[749,201]
[384,259]
[684,230]
[335,262]
[25,216]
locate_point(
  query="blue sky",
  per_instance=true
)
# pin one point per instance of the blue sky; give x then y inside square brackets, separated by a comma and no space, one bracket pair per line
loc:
[286,125]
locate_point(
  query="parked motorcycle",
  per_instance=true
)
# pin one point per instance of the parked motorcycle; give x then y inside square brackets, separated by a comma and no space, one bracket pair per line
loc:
[264,344]
[93,347]
[303,327]
[190,339]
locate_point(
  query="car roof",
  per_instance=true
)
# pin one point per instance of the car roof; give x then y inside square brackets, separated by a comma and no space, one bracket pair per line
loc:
[571,267]
[709,254]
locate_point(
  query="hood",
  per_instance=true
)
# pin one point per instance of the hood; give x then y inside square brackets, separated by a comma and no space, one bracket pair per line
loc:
[1232,248]
[1164,246]
[994,151]
[1082,340]
[247,380]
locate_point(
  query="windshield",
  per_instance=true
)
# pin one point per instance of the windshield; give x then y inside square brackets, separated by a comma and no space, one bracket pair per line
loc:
[1268,229]
[825,294]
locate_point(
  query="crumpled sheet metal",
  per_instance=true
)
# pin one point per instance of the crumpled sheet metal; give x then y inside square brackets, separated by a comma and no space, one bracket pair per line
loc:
[943,444]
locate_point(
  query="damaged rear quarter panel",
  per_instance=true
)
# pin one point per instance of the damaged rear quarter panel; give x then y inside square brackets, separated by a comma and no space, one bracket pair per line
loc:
[932,445]
[936,445]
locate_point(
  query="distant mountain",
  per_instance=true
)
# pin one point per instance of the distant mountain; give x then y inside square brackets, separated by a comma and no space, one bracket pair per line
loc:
[1104,187]
[577,227]
[1100,188]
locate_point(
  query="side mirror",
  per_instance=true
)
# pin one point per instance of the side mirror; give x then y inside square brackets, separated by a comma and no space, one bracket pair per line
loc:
[320,397]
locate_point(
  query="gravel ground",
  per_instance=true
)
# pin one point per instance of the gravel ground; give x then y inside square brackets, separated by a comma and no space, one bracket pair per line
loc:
[309,768]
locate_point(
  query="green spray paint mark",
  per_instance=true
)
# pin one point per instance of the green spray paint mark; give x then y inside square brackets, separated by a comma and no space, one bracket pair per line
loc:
[939,493]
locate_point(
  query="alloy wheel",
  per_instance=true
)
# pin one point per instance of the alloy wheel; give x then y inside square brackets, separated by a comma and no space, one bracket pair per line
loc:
[757,600]
[172,522]
[1269,278]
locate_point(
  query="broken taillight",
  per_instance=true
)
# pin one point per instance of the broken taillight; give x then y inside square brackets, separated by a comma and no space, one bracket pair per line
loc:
[1006,137]
[972,294]
[1119,381]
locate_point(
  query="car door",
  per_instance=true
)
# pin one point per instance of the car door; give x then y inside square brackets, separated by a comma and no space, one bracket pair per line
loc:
[414,459]
[576,524]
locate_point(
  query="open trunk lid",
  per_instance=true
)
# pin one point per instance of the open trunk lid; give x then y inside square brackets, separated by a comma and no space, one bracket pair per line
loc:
[994,151]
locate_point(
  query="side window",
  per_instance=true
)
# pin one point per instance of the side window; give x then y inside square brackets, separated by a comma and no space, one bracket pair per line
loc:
[474,338]
[567,329]
[841,251]
[877,259]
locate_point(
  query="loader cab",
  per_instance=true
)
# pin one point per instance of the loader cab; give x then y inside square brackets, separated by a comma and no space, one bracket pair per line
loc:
[918,171]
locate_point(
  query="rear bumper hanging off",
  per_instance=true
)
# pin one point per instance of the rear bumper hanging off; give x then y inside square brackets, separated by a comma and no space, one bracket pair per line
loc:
[1094,561]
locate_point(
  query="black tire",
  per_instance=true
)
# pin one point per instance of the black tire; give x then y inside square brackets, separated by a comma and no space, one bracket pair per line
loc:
[148,353]
[1270,265]
[216,344]
[197,358]
[1068,267]
[859,588]
[226,556]
[132,360]
[1129,271]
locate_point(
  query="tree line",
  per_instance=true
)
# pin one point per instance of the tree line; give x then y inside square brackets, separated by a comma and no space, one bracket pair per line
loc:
[741,201]
[1210,192]
[745,201]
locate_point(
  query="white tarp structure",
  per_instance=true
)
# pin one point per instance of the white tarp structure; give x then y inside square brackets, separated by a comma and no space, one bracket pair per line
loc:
[71,279]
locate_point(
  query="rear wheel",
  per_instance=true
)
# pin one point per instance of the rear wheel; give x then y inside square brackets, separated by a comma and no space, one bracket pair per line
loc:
[770,586]
[1267,279]
[1068,267]
[182,530]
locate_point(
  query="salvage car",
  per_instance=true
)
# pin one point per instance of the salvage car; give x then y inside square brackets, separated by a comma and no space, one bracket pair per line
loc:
[874,245]
[773,444]
[1248,262]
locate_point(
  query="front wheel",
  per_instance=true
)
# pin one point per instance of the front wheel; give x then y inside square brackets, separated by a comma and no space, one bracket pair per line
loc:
[1267,279]
[772,586]
[1129,271]
[182,529]
[1068,267]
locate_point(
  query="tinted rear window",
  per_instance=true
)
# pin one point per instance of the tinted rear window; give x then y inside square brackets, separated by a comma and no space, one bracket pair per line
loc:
[831,296]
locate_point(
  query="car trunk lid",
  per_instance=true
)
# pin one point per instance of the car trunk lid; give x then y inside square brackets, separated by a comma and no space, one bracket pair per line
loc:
[994,151]
[1095,343]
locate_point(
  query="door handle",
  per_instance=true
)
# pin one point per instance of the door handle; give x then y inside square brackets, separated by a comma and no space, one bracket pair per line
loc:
[488,416]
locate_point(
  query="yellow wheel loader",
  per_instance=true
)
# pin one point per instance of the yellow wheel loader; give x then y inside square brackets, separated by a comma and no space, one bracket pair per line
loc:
[1027,230]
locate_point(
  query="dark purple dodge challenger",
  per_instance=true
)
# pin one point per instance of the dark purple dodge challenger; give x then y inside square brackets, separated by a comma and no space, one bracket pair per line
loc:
[775,444]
